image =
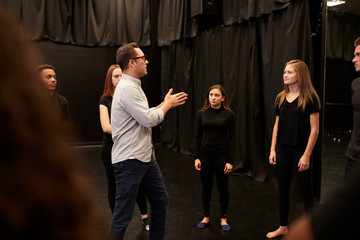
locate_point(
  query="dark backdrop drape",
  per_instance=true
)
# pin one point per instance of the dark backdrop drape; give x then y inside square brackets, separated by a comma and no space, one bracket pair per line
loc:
[175,21]
[241,11]
[86,23]
[342,30]
[248,59]
[246,54]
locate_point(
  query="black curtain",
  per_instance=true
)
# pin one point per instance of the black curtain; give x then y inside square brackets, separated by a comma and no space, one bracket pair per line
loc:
[241,11]
[85,23]
[176,64]
[175,22]
[342,30]
[246,53]
[248,59]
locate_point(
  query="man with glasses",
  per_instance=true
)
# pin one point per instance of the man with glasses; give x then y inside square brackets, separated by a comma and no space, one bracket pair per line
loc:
[133,156]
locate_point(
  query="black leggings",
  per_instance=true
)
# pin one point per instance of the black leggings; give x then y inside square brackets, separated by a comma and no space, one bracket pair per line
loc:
[106,159]
[214,163]
[287,159]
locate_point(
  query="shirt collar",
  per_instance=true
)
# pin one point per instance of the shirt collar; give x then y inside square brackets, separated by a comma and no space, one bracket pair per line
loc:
[128,77]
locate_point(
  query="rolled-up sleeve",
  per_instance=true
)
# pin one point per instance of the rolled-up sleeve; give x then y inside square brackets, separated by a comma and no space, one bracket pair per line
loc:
[135,103]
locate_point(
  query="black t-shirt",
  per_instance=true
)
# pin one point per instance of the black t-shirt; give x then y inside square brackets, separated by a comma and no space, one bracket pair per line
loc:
[107,101]
[60,104]
[215,131]
[294,124]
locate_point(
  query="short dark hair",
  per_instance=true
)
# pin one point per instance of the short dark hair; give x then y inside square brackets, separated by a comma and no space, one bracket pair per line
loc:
[125,53]
[45,66]
[357,42]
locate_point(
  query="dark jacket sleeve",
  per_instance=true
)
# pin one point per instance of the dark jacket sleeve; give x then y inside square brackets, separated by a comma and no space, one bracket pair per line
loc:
[64,107]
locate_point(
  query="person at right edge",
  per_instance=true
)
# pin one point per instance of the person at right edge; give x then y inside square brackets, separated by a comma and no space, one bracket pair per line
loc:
[338,216]
[294,136]
[214,151]
[353,150]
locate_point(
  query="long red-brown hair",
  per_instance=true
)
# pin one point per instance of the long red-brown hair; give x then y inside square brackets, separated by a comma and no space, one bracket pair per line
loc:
[225,103]
[307,91]
[109,87]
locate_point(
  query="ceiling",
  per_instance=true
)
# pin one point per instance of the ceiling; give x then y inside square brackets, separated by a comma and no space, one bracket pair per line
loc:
[350,7]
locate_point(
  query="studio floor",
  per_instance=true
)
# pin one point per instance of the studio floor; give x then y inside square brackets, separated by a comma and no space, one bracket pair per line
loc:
[253,205]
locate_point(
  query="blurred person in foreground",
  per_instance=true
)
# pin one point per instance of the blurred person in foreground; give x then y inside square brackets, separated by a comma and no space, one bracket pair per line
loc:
[43,193]
[336,218]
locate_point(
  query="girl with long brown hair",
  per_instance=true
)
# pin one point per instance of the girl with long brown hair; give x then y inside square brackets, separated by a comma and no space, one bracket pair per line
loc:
[214,151]
[294,136]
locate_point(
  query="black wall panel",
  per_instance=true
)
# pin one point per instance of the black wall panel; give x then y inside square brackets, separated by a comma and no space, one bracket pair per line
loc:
[81,75]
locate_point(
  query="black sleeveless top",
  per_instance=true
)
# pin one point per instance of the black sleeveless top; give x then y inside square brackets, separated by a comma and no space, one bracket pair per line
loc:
[107,101]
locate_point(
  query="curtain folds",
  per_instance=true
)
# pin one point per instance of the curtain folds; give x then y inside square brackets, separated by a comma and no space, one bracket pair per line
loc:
[248,60]
[235,11]
[130,22]
[86,23]
[112,22]
[342,30]
[174,21]
[246,55]
[177,128]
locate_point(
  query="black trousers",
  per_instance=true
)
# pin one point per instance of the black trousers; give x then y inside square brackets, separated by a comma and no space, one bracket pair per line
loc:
[214,163]
[287,159]
[141,200]
[106,159]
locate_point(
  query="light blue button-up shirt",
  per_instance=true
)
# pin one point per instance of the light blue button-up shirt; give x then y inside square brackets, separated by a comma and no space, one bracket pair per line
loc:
[131,122]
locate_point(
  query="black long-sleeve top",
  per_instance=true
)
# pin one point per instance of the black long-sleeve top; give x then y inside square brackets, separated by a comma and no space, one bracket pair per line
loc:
[215,132]
[353,149]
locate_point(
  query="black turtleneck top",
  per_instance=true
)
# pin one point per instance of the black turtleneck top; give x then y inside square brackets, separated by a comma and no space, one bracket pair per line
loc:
[215,132]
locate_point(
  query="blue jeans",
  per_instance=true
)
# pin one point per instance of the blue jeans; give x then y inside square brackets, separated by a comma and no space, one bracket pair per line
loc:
[129,174]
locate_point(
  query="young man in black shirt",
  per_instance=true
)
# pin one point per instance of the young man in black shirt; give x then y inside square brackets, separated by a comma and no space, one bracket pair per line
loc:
[48,75]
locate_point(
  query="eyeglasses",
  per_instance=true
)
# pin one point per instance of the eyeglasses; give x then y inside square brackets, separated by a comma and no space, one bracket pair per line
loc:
[143,58]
